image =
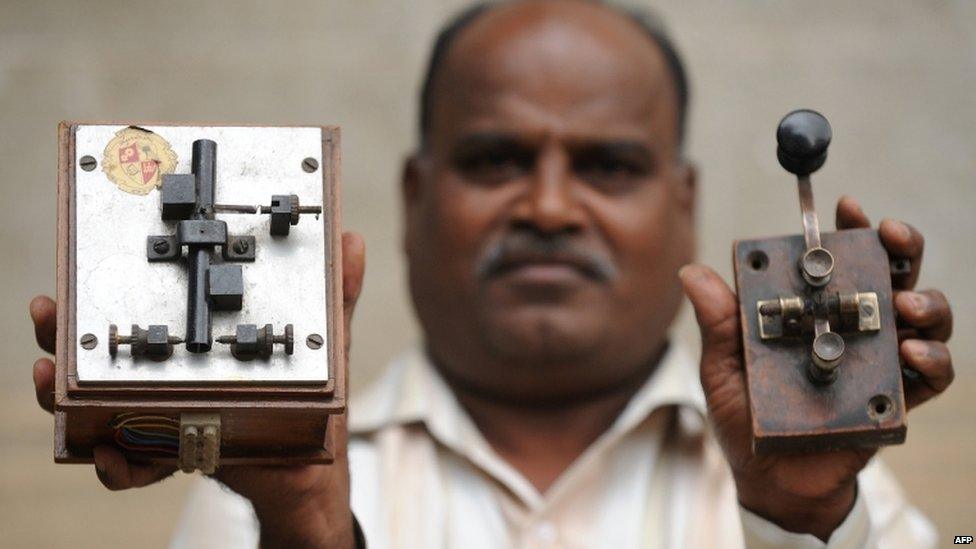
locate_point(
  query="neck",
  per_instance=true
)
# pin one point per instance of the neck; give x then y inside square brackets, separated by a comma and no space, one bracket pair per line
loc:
[542,441]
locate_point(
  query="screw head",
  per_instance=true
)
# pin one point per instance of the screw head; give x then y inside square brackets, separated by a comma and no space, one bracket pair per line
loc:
[87,162]
[161,247]
[240,246]
[89,341]
[289,339]
[314,341]
[113,339]
[310,164]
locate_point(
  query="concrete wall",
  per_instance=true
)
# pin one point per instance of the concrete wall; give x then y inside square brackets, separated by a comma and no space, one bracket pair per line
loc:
[896,79]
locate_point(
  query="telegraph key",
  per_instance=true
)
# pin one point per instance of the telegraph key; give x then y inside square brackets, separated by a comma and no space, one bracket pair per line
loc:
[227,235]
[818,324]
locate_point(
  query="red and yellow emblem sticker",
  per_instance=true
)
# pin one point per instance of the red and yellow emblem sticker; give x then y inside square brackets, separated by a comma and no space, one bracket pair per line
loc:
[136,159]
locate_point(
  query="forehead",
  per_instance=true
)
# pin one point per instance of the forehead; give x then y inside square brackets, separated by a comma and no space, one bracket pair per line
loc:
[555,66]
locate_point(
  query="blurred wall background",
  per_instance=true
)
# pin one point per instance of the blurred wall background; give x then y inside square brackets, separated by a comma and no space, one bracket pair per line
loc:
[896,79]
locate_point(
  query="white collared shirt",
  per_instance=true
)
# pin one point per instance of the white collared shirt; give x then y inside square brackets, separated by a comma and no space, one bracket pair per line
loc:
[423,477]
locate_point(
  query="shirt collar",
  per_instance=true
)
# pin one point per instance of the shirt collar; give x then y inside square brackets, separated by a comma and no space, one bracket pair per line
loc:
[411,390]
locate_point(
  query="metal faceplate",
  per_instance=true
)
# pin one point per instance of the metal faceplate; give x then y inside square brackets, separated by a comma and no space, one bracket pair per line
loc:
[115,284]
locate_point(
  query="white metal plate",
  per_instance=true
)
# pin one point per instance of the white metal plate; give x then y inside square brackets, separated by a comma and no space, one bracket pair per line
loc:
[115,284]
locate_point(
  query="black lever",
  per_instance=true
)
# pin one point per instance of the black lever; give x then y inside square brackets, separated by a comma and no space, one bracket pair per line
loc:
[802,138]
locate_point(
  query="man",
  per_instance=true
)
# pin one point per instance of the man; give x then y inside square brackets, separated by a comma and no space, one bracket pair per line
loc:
[549,215]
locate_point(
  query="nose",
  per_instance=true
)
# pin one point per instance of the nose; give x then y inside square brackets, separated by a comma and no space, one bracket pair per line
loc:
[549,204]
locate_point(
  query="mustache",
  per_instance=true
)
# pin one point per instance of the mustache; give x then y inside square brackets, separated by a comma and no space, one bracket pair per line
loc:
[522,247]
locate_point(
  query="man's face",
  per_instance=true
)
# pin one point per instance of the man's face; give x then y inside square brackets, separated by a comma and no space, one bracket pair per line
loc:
[549,212]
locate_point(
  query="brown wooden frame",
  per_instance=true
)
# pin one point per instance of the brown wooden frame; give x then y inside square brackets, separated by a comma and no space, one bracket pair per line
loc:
[789,413]
[263,423]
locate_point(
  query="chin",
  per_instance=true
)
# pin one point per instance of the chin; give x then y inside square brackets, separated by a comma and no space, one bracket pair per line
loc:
[540,336]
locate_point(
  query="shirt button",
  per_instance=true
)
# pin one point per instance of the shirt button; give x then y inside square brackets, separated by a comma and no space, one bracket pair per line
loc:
[546,532]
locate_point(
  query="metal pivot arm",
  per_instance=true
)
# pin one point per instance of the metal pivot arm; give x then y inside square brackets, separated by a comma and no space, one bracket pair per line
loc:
[802,138]
[198,326]
[285,211]
[211,284]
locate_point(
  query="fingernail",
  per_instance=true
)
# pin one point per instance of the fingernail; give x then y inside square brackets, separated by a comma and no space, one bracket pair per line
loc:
[915,347]
[920,302]
[903,230]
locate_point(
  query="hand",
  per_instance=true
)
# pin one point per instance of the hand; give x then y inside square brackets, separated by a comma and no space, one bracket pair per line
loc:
[812,493]
[306,506]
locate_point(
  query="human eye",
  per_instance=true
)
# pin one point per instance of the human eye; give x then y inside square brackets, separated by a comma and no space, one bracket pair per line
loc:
[612,169]
[492,161]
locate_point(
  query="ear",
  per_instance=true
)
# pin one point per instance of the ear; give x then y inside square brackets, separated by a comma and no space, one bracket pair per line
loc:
[686,180]
[410,179]
[411,182]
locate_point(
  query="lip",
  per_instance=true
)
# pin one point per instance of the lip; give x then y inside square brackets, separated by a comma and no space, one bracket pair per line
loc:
[543,271]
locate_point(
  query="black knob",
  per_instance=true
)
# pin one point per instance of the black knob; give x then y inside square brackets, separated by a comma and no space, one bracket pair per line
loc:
[802,138]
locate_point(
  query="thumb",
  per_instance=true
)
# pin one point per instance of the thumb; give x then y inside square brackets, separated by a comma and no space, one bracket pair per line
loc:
[353,268]
[716,310]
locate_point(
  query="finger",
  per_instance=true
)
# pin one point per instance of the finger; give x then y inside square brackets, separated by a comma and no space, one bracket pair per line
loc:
[44,383]
[933,362]
[716,310]
[303,481]
[44,313]
[116,473]
[903,242]
[927,311]
[850,215]
[353,268]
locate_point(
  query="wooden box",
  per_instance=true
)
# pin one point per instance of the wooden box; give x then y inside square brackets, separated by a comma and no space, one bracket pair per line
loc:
[864,406]
[272,410]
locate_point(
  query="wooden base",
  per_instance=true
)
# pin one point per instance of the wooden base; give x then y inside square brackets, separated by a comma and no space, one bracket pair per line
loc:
[261,423]
[789,411]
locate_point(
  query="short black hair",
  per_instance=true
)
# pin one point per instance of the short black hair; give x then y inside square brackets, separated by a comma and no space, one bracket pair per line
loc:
[648,22]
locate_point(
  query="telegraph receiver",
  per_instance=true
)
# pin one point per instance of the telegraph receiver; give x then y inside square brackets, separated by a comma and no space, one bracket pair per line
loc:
[199,292]
[818,324]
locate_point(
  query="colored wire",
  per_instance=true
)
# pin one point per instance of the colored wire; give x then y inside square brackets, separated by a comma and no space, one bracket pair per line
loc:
[150,434]
[149,440]
[120,440]
[129,417]
[146,433]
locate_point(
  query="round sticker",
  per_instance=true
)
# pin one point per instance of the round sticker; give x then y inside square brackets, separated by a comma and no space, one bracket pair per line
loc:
[136,159]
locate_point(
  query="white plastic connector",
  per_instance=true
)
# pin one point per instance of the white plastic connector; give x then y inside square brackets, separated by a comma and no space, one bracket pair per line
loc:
[199,442]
